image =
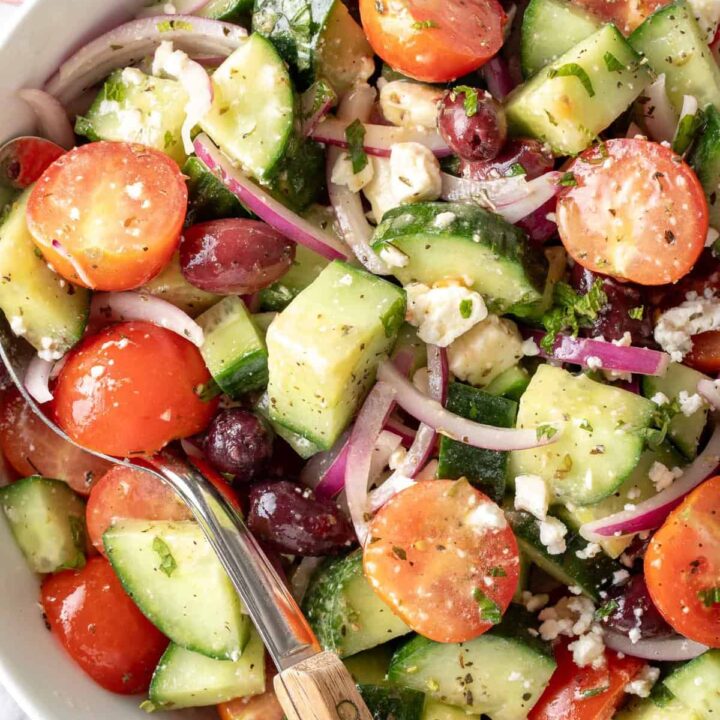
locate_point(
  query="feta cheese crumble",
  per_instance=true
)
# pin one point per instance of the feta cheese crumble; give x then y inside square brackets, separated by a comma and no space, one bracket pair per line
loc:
[531,494]
[552,535]
[410,104]
[342,173]
[414,173]
[486,516]
[689,404]
[663,477]
[676,326]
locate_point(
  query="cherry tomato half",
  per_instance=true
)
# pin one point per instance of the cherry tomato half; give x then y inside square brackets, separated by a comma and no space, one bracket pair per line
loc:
[131,389]
[637,212]
[437,563]
[434,40]
[256,707]
[705,353]
[682,566]
[108,215]
[101,628]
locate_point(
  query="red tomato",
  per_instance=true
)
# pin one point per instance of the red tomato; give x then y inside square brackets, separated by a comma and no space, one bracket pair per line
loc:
[107,215]
[32,448]
[126,493]
[682,565]
[217,480]
[131,389]
[638,212]
[705,353]
[25,159]
[434,40]
[576,693]
[257,707]
[626,14]
[432,558]
[101,628]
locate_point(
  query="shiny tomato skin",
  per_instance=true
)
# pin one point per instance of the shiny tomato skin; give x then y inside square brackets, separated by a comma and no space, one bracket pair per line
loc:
[108,215]
[101,628]
[682,565]
[587,693]
[431,558]
[705,353]
[626,14]
[131,389]
[434,40]
[25,159]
[124,493]
[256,707]
[32,448]
[637,212]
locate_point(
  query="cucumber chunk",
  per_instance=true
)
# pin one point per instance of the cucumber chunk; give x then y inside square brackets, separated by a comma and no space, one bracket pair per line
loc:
[510,383]
[683,431]
[186,679]
[636,489]
[434,710]
[47,520]
[46,310]
[175,578]
[705,160]
[599,434]
[695,684]
[135,107]
[234,349]
[324,349]
[345,612]
[569,102]
[648,709]
[593,577]
[673,43]
[540,41]
[485,469]
[252,115]
[370,666]
[454,240]
[476,675]
[301,445]
[228,10]
[385,702]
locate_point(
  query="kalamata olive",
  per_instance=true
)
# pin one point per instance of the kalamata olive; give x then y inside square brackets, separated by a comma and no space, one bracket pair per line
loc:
[292,520]
[238,443]
[234,256]
[474,127]
[518,155]
[633,608]
[625,311]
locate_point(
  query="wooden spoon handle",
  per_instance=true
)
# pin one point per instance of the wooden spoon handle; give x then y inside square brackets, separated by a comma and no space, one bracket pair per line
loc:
[320,688]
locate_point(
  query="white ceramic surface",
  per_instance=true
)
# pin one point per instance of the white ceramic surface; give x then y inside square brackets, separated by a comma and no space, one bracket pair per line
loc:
[34,38]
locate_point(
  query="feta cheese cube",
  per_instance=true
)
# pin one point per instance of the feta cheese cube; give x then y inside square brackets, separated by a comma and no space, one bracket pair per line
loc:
[531,494]
[552,535]
[410,104]
[414,173]
[342,173]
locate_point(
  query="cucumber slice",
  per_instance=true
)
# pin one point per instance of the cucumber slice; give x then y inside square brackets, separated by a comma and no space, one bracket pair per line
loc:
[599,438]
[175,578]
[172,286]
[135,107]
[648,709]
[478,675]
[345,612]
[695,684]
[252,115]
[439,711]
[46,310]
[47,520]
[541,43]
[593,577]
[385,702]
[684,432]
[186,679]
[485,469]
[370,667]
[263,321]
[324,349]
[228,10]
[569,102]
[636,489]
[510,383]
[234,349]
[301,445]
[673,43]
[208,198]
[705,160]
[453,240]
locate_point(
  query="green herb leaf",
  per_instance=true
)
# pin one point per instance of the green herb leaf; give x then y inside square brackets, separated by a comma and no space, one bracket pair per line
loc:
[516,169]
[466,308]
[606,610]
[168,140]
[612,63]
[489,610]
[547,431]
[686,130]
[568,180]
[636,313]
[585,425]
[496,571]
[710,596]
[355,136]
[424,24]
[471,98]
[592,692]
[574,70]
[170,25]
[167,561]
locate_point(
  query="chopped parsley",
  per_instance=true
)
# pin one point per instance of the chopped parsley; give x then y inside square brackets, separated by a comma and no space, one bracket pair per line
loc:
[612,63]
[466,308]
[710,596]
[685,133]
[489,610]
[168,140]
[592,692]
[662,417]
[424,24]
[547,431]
[355,136]
[636,313]
[574,70]
[585,425]
[606,610]
[496,571]
[471,98]
[516,169]
[568,180]
[170,25]
[167,561]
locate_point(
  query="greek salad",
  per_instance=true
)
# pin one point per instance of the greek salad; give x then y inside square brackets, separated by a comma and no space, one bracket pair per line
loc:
[429,290]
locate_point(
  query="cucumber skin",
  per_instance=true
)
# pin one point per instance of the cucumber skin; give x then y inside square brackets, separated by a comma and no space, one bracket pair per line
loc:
[485,469]
[705,160]
[388,703]
[208,198]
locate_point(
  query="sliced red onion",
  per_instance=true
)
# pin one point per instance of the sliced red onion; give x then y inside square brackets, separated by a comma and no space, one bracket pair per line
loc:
[316,103]
[300,580]
[710,391]
[132,41]
[579,351]
[52,119]
[123,306]
[432,413]
[662,649]
[498,78]
[37,379]
[368,425]
[194,79]
[659,116]
[379,139]
[191,449]
[173,7]
[651,513]
[395,484]
[265,206]
[325,472]
[405,433]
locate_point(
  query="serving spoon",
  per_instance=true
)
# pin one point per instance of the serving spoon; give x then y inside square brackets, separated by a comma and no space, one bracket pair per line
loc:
[310,684]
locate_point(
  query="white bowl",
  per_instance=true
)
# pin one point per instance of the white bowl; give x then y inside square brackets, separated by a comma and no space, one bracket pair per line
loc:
[34,38]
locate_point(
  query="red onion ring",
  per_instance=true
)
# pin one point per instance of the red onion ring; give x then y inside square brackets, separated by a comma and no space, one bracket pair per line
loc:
[663,649]
[710,391]
[37,379]
[497,77]
[52,119]
[406,434]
